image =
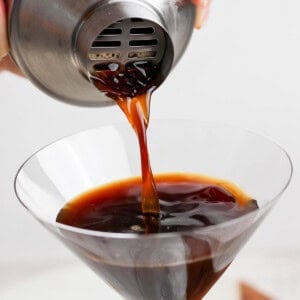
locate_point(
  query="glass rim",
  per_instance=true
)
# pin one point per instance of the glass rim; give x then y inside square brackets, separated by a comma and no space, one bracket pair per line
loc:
[87,232]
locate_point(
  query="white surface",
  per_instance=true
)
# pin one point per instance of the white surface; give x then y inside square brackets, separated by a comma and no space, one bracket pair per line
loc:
[248,74]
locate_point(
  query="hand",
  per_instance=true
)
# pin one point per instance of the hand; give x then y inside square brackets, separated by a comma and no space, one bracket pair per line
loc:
[5,62]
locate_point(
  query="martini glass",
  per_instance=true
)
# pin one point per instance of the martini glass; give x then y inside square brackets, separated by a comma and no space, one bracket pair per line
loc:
[175,266]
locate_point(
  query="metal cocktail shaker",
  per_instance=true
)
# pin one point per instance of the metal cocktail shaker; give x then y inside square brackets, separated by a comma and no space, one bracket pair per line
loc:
[57,43]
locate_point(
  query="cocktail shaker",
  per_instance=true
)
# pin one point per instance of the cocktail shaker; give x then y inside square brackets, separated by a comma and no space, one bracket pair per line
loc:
[57,43]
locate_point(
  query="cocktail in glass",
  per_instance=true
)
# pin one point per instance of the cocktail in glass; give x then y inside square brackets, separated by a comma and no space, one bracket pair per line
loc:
[181,265]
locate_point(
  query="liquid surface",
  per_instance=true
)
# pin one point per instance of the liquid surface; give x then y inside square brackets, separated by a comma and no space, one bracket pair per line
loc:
[186,202]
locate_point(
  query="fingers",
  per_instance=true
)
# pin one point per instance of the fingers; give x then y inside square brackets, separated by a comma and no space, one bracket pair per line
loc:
[202,12]
[4,48]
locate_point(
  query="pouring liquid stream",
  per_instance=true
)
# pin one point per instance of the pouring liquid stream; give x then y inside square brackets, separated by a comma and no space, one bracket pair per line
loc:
[132,90]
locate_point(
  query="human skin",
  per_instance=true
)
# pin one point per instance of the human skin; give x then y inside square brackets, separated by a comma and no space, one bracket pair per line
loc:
[6,64]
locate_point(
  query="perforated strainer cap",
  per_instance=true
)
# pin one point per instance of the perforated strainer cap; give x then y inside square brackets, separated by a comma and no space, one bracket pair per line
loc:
[65,41]
[126,40]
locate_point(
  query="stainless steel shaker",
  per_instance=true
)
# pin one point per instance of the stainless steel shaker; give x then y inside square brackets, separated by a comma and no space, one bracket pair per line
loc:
[57,43]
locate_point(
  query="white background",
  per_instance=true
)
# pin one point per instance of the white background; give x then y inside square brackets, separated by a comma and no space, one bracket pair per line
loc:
[243,68]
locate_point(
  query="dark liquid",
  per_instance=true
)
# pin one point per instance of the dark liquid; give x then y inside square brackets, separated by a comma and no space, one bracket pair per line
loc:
[186,202]
[131,89]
